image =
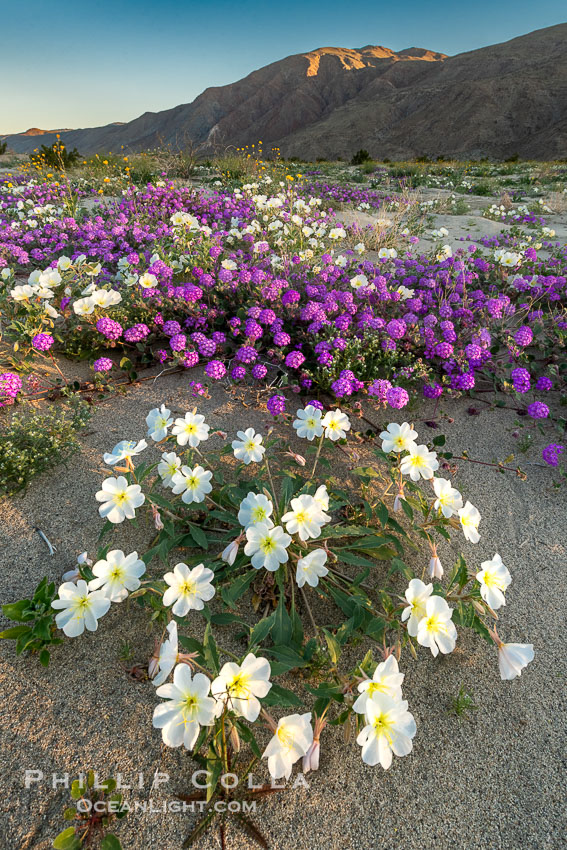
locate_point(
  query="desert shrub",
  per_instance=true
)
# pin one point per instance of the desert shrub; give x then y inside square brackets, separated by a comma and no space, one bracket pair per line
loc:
[33,442]
[360,156]
[56,156]
[3,147]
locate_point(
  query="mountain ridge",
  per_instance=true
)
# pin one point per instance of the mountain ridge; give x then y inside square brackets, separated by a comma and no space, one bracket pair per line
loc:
[505,99]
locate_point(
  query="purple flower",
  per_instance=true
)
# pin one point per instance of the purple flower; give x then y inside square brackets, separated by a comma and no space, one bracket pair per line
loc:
[538,410]
[237,373]
[523,336]
[315,403]
[281,339]
[432,390]
[109,328]
[521,379]
[136,333]
[189,359]
[379,388]
[42,342]
[544,383]
[551,453]
[246,354]
[171,328]
[103,364]
[178,342]
[294,359]
[397,397]
[10,386]
[276,404]
[215,369]
[259,371]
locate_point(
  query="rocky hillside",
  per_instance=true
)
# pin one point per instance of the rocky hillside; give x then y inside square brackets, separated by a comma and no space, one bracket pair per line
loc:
[506,99]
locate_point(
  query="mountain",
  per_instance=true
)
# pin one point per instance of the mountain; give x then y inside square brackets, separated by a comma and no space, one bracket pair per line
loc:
[497,101]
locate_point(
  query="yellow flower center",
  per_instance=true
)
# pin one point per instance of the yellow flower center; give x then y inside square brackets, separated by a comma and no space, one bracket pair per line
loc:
[258,514]
[267,545]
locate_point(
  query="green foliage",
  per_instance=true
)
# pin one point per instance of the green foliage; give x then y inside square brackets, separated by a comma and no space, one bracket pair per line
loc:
[33,442]
[90,823]
[462,703]
[36,619]
[360,156]
[55,156]
[3,147]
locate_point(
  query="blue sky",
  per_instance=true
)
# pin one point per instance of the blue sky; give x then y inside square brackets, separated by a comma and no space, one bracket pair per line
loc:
[73,64]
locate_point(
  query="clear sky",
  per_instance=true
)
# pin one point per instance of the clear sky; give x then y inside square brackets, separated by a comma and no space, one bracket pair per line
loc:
[69,63]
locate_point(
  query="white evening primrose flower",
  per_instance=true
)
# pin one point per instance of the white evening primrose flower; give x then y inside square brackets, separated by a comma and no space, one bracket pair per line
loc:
[305,517]
[436,629]
[194,484]
[253,509]
[469,517]
[308,423]
[188,589]
[79,609]
[119,499]
[417,594]
[191,430]
[494,579]
[229,265]
[105,298]
[292,739]
[322,497]
[449,500]
[158,421]
[419,463]
[229,553]
[167,656]
[398,438]
[359,281]
[238,686]
[390,729]
[116,574]
[148,281]
[123,450]
[444,253]
[267,545]
[188,707]
[311,568]
[512,658]
[336,424]
[168,466]
[337,233]
[248,448]
[64,263]
[387,679]
[83,306]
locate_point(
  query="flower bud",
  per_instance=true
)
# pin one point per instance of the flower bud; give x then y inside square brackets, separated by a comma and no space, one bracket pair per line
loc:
[311,757]
[230,552]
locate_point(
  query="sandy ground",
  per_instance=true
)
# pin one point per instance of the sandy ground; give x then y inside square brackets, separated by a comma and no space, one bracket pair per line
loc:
[494,780]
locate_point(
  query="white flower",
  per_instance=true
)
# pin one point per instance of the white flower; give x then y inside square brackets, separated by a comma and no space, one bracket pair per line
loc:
[417,594]
[513,657]
[158,421]
[83,306]
[22,292]
[193,483]
[64,263]
[248,448]
[308,422]
[360,281]
[337,233]
[436,629]
[148,281]
[387,679]
[229,265]
[267,546]
[435,567]
[449,500]
[494,579]
[105,297]
[229,553]
[188,589]
[123,450]
[305,517]
[168,654]
[322,497]
[470,518]
[116,574]
[336,424]
[444,253]
[291,741]
[420,462]
[167,468]
[239,686]
[387,253]
[253,509]
[311,568]
[398,438]
[188,707]
[120,499]
[390,730]
[80,609]
[192,429]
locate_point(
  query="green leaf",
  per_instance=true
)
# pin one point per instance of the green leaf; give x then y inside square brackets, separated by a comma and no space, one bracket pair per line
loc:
[333,646]
[439,440]
[281,631]
[14,632]
[278,695]
[382,513]
[356,560]
[77,790]
[199,536]
[261,630]
[110,842]
[407,508]
[67,840]
[225,619]
[211,652]
[44,657]
[238,587]
[18,610]
[286,659]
